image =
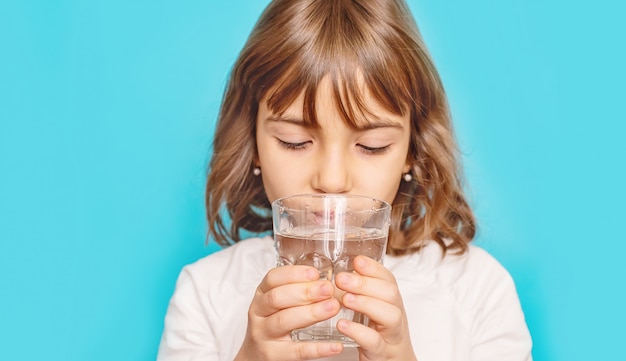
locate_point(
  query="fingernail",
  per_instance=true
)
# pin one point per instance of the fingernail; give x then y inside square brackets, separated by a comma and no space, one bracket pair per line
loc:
[329,305]
[335,347]
[342,325]
[360,262]
[326,289]
[349,298]
[312,274]
[345,278]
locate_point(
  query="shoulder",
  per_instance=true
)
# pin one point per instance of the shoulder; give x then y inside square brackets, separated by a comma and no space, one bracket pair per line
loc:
[475,277]
[478,265]
[472,293]
[486,294]
[238,262]
[225,274]
[449,271]
[487,299]
[452,270]
[206,307]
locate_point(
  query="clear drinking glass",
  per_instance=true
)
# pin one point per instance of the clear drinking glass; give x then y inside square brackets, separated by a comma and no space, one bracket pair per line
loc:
[327,231]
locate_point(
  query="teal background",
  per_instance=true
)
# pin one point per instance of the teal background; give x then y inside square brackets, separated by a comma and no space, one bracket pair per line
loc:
[107,111]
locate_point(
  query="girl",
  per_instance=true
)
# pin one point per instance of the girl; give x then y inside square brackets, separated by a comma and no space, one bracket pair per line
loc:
[340,96]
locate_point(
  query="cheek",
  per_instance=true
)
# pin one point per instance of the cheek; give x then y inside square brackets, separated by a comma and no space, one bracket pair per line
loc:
[384,178]
[281,179]
[379,183]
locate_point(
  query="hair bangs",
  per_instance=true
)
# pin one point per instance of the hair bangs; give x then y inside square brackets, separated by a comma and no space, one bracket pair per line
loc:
[354,74]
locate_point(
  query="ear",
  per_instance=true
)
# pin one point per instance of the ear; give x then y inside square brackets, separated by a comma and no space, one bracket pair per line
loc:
[407,168]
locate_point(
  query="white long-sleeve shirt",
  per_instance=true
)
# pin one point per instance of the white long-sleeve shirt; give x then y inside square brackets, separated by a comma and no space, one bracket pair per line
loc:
[459,308]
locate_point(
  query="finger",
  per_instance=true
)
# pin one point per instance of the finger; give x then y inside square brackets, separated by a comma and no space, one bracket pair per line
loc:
[284,321]
[385,315]
[368,286]
[286,350]
[312,350]
[287,274]
[368,339]
[291,295]
[368,267]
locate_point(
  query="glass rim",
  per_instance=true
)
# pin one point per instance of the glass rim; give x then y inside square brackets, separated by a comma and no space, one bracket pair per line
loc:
[382,205]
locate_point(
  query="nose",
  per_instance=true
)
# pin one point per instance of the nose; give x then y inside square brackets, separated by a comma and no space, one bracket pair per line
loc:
[333,173]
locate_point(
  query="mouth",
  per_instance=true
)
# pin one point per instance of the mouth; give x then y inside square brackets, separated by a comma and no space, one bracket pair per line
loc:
[323,217]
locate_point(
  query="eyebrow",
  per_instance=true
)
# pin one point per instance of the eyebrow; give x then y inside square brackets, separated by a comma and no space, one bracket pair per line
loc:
[371,123]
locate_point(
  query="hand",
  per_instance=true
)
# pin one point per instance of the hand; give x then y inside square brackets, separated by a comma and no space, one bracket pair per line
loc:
[288,298]
[372,290]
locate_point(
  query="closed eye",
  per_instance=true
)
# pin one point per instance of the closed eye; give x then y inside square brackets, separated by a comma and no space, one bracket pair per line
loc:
[374,150]
[293,146]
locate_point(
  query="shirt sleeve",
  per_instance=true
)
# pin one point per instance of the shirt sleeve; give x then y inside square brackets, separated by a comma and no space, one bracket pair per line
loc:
[187,334]
[499,331]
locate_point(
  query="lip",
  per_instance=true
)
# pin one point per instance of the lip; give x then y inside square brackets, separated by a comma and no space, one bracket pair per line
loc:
[322,217]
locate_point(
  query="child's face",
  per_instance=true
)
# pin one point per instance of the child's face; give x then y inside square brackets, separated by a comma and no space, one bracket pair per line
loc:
[295,159]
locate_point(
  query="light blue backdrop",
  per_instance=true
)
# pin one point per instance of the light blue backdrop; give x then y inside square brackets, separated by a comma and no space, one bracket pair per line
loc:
[106,117]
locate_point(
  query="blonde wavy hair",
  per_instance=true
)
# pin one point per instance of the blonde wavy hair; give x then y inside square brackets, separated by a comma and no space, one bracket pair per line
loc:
[295,44]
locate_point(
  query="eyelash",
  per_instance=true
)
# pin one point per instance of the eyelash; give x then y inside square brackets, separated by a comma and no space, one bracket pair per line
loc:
[374,150]
[293,146]
[302,145]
